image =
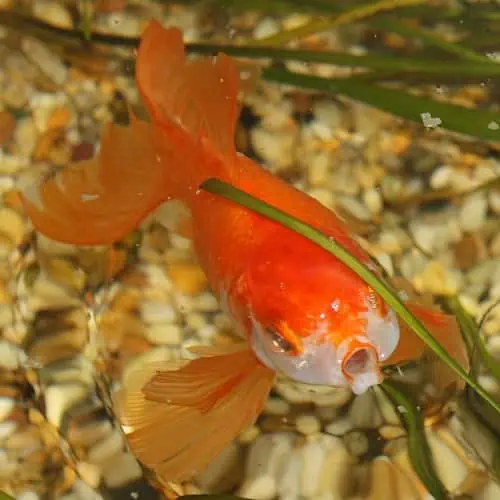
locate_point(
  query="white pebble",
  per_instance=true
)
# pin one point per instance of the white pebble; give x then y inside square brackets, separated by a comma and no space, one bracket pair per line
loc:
[266,27]
[7,429]
[59,398]
[155,312]
[27,495]
[473,212]
[441,177]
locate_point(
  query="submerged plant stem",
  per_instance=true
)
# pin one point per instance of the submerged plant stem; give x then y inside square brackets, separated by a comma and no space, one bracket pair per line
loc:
[418,448]
[347,17]
[234,194]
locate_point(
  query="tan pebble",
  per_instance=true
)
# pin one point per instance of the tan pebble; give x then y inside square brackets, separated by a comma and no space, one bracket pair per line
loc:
[392,432]
[339,427]
[249,434]
[195,321]
[336,473]
[452,470]
[276,406]
[163,333]
[313,457]
[121,470]
[383,484]
[437,279]
[206,302]
[12,225]
[469,250]
[364,413]
[490,492]
[7,126]
[53,13]
[187,278]
[90,473]
[357,443]
[66,274]
[6,407]
[58,118]
[107,449]
[307,424]
[373,200]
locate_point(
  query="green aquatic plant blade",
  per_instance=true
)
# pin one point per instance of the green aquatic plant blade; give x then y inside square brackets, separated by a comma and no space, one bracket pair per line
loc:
[439,69]
[418,448]
[428,39]
[473,337]
[348,16]
[4,496]
[474,122]
[240,197]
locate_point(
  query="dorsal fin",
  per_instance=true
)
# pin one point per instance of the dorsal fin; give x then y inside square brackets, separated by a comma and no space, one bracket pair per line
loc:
[200,95]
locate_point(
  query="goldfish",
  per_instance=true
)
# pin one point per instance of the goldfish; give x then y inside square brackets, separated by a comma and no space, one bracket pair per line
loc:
[300,312]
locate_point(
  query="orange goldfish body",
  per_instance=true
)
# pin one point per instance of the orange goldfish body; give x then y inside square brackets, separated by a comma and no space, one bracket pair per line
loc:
[302,312]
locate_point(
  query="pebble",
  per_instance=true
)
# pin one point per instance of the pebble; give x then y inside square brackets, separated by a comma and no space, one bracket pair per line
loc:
[373,201]
[262,487]
[288,478]
[357,443]
[121,470]
[441,177]
[472,213]
[157,312]
[276,406]
[339,427]
[494,201]
[164,334]
[53,13]
[47,60]
[313,456]
[187,278]
[6,407]
[7,127]
[307,424]
[106,449]
[336,473]
[276,148]
[60,398]
[265,27]
[364,413]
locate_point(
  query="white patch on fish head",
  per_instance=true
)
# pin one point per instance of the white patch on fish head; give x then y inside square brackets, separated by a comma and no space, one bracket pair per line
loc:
[317,364]
[321,362]
[382,331]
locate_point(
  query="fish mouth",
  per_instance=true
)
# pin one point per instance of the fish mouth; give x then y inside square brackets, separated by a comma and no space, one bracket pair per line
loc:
[361,368]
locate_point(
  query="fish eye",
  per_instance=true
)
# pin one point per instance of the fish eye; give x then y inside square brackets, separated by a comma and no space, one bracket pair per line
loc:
[280,342]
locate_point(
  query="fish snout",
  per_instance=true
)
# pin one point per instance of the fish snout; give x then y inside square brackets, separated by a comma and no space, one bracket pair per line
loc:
[361,367]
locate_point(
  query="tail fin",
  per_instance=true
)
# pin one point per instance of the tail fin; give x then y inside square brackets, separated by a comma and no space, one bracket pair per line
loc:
[100,200]
[180,420]
[141,166]
[445,330]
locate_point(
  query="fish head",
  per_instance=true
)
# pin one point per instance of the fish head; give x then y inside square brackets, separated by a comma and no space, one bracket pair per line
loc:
[319,323]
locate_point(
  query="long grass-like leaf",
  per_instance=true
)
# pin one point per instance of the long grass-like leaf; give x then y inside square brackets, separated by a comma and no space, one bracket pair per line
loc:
[418,448]
[357,13]
[473,337]
[4,496]
[441,43]
[234,194]
[430,67]
[478,123]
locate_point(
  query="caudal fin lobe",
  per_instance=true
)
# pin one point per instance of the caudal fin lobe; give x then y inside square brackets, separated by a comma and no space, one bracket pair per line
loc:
[140,166]
[181,419]
[99,201]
